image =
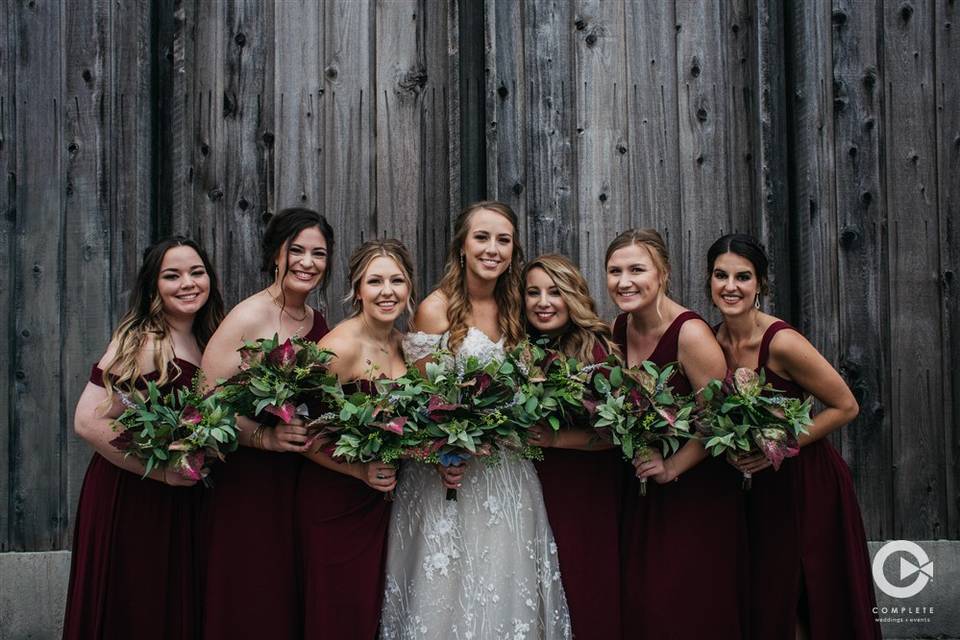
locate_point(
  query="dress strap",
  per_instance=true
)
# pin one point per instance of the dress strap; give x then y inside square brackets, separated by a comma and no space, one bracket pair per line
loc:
[318,329]
[771,331]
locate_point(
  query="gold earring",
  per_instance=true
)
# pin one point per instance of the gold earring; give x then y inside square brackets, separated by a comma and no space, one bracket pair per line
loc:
[463,261]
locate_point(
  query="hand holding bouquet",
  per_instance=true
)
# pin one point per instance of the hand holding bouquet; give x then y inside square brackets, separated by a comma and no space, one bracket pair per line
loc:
[743,414]
[178,432]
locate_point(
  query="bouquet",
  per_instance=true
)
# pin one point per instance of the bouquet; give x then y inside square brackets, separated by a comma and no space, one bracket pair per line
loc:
[554,389]
[467,411]
[639,411]
[743,413]
[180,431]
[282,379]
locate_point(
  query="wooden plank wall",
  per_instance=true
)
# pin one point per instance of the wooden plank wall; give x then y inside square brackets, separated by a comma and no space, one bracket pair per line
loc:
[827,128]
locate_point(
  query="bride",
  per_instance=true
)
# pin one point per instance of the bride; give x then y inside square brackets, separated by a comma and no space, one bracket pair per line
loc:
[485,565]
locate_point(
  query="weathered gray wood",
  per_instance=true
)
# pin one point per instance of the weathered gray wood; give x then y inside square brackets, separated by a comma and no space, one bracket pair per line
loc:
[703,162]
[946,24]
[349,135]
[915,318]
[549,89]
[652,146]
[87,281]
[298,97]
[35,446]
[471,85]
[773,195]
[8,217]
[861,213]
[601,169]
[170,25]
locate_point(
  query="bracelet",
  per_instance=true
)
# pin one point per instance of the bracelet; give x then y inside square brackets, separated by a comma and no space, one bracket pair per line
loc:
[257,438]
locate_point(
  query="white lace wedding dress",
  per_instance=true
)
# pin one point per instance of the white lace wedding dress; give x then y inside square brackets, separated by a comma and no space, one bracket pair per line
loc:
[481,567]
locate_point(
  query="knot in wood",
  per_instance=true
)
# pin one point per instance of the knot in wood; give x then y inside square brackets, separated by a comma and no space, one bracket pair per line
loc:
[603,197]
[839,104]
[502,91]
[866,198]
[591,39]
[265,217]
[906,11]
[580,24]
[73,147]
[695,71]
[702,114]
[268,138]
[848,237]
[839,17]
[853,151]
[86,75]
[414,79]
[25,333]
[700,159]
[517,188]
[240,39]
[20,375]
[621,148]
[869,124]
[215,194]
[243,204]
[204,149]
[37,268]
[735,27]
[331,72]
[870,78]
[229,104]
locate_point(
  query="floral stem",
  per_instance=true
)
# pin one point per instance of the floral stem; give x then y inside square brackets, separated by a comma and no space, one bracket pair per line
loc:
[747,480]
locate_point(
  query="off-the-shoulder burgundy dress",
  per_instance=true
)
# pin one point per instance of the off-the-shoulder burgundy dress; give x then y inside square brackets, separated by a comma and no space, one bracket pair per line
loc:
[583,491]
[684,543]
[252,573]
[808,550]
[342,538]
[133,572]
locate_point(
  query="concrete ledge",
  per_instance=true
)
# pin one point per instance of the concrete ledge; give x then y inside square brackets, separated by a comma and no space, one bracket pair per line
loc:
[33,594]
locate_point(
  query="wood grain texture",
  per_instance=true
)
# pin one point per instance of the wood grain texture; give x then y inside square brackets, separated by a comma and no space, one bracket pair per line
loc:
[86,281]
[601,168]
[915,313]
[861,213]
[35,444]
[8,218]
[946,21]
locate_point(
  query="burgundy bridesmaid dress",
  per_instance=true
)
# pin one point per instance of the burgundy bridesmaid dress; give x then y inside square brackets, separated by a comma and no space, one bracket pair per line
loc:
[583,493]
[252,575]
[133,571]
[684,548]
[808,550]
[342,541]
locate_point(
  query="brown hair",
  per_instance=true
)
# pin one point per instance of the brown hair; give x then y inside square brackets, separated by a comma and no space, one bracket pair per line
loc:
[586,328]
[506,293]
[654,243]
[366,253]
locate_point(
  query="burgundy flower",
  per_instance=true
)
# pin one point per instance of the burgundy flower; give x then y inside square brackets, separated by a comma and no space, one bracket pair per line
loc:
[590,405]
[776,445]
[190,465]
[747,381]
[124,441]
[191,415]
[437,406]
[284,355]
[395,425]
[249,358]
[285,412]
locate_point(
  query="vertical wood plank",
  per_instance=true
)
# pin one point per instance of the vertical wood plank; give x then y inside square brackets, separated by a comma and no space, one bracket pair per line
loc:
[653,136]
[35,453]
[946,23]
[298,168]
[506,107]
[401,77]
[349,136]
[8,217]
[702,120]
[861,215]
[600,165]
[86,280]
[440,185]
[472,78]
[772,154]
[131,220]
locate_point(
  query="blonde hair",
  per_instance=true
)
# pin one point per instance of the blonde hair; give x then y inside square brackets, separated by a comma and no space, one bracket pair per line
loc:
[366,253]
[453,284]
[587,329]
[654,243]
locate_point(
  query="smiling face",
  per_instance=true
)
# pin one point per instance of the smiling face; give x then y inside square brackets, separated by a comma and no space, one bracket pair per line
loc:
[183,284]
[305,259]
[383,291]
[633,279]
[488,247]
[545,307]
[733,284]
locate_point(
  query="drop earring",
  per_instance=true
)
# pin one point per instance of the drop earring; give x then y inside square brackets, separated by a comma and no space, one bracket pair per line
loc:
[463,261]
[756,301]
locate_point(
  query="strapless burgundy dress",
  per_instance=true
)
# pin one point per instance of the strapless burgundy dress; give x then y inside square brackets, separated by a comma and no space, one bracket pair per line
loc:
[252,575]
[342,540]
[684,549]
[133,571]
[808,550]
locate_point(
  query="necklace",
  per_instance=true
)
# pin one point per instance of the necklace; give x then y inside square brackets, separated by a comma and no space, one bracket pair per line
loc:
[282,308]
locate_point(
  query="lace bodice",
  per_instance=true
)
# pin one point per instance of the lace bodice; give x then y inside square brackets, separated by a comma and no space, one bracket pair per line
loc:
[476,343]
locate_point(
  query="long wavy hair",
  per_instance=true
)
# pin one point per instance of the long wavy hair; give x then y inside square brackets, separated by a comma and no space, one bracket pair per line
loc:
[507,291]
[145,321]
[366,253]
[585,329]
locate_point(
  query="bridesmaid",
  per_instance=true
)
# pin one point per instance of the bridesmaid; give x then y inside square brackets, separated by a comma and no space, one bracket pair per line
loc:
[809,565]
[251,567]
[132,569]
[341,509]
[582,477]
[684,542]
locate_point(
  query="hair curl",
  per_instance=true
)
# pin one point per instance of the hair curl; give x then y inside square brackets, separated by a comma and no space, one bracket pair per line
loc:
[585,328]
[453,284]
